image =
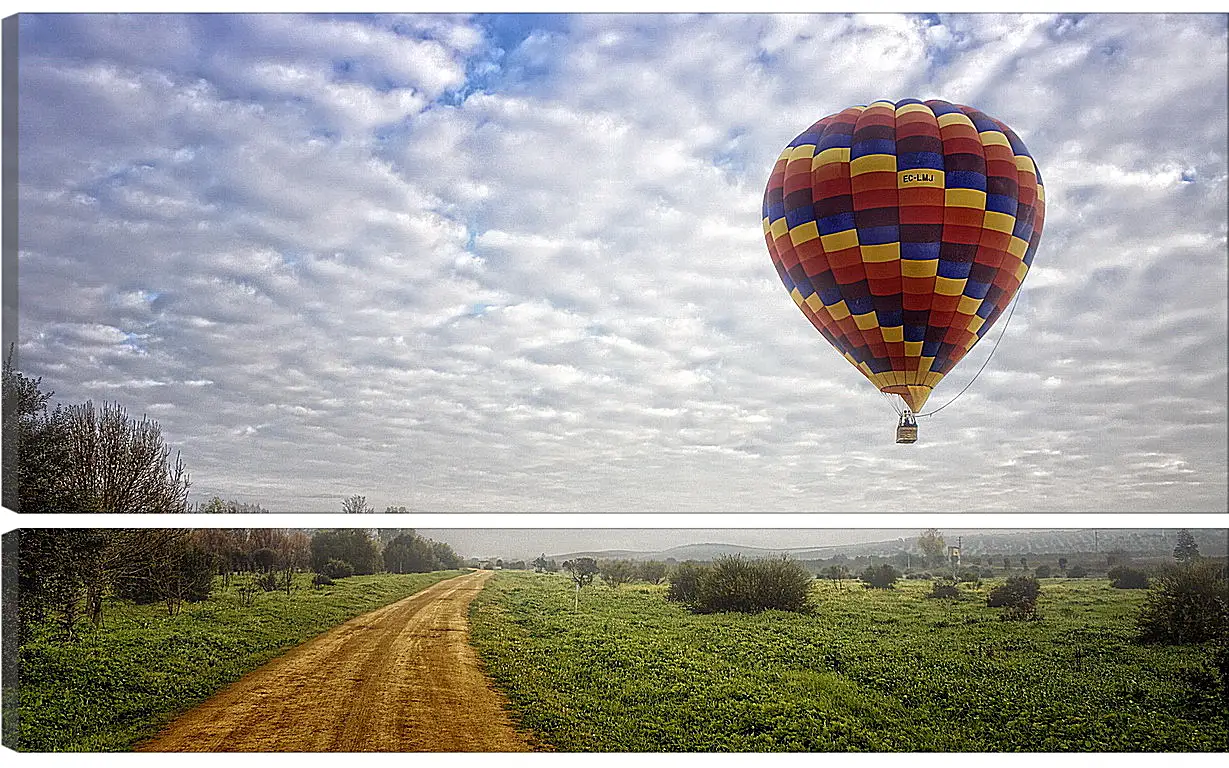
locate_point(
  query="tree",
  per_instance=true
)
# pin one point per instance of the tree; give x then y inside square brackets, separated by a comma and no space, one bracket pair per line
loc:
[1042,571]
[83,458]
[412,553]
[1188,603]
[117,464]
[931,544]
[616,572]
[581,570]
[539,565]
[265,559]
[356,505]
[881,577]
[1062,564]
[351,545]
[685,582]
[1186,549]
[63,574]
[837,573]
[216,506]
[391,510]
[35,447]
[652,571]
[444,555]
[1077,571]
[172,571]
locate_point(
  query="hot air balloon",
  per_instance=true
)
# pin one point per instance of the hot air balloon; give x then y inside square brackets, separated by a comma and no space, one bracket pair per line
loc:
[902,231]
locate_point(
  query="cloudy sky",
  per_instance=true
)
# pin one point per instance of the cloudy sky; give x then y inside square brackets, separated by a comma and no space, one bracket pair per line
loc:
[515,263]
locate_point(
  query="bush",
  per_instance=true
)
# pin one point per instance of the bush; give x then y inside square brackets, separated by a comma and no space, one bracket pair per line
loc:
[728,585]
[1187,604]
[337,569]
[1042,571]
[268,581]
[881,577]
[970,577]
[744,586]
[946,590]
[781,585]
[321,580]
[1018,595]
[1077,572]
[1122,577]
[684,582]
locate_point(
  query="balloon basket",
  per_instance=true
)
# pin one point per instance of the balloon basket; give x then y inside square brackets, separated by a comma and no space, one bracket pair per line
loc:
[906,430]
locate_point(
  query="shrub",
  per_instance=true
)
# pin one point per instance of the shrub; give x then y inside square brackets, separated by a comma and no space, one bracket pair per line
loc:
[268,581]
[1018,595]
[781,585]
[946,590]
[338,569]
[1122,577]
[727,586]
[1042,571]
[684,582]
[1187,604]
[881,577]
[969,576]
[751,586]
[321,580]
[1077,571]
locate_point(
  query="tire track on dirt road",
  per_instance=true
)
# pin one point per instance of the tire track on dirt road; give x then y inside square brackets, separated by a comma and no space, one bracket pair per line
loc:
[402,678]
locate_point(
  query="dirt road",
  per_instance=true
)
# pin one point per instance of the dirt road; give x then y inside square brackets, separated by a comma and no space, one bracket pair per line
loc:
[399,679]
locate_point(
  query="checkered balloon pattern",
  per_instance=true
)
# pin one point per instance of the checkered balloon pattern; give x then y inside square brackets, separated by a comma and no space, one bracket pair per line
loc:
[902,231]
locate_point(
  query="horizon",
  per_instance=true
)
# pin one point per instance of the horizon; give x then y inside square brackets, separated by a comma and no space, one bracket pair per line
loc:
[515,542]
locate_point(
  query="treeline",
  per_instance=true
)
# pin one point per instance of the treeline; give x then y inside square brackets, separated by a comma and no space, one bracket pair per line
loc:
[59,578]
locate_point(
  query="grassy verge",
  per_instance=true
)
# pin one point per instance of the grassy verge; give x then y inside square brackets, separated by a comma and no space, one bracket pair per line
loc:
[870,670]
[118,684]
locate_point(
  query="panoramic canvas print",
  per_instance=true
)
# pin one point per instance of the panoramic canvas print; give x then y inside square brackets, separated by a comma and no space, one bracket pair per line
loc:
[588,640]
[611,263]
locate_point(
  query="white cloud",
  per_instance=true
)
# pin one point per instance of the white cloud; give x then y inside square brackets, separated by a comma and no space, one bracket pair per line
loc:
[329,263]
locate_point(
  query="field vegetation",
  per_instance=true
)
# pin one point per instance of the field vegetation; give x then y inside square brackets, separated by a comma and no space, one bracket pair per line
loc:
[625,669]
[114,685]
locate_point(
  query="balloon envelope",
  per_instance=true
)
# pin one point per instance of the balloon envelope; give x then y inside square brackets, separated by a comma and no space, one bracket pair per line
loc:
[902,231]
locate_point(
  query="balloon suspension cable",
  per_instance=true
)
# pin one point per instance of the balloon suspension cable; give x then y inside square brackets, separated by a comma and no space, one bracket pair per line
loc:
[891,398]
[1015,303]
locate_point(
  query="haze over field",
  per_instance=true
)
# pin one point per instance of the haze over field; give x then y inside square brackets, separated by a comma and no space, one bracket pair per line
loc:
[704,544]
[514,263]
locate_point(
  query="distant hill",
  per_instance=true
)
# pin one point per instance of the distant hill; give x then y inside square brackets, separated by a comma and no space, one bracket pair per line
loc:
[1149,542]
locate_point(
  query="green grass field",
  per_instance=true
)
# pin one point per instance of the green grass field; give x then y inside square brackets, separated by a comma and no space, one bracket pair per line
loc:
[868,671]
[116,685]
